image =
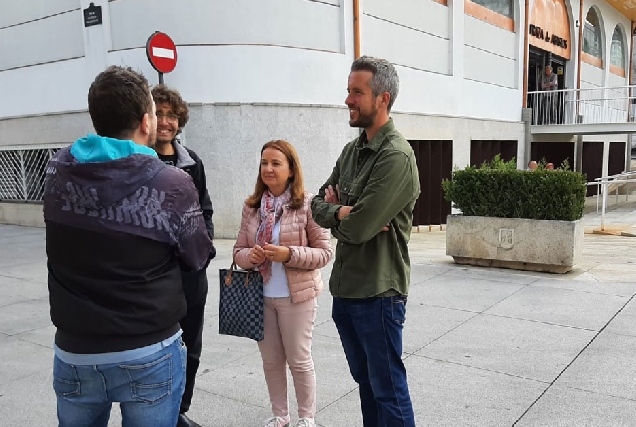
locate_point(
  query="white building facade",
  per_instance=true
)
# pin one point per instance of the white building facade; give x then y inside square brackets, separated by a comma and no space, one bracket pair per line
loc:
[257,70]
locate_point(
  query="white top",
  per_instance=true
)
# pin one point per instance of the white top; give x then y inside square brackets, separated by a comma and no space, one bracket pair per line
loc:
[277,286]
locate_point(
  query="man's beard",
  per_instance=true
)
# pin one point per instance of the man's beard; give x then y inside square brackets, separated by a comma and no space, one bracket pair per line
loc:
[161,140]
[364,120]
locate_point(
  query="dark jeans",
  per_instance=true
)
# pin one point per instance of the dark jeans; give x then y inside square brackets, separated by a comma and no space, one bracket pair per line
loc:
[195,288]
[371,333]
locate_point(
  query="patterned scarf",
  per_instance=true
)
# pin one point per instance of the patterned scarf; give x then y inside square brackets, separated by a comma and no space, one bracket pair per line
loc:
[271,211]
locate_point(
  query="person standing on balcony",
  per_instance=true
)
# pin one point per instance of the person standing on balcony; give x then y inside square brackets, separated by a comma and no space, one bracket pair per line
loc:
[549,82]
[172,116]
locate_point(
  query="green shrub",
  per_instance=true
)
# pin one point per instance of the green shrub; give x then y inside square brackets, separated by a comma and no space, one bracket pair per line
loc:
[498,189]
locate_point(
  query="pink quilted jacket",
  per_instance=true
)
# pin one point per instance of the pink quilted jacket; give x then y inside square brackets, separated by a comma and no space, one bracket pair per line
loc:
[310,247]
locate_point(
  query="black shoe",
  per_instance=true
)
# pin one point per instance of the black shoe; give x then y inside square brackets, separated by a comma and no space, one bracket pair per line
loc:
[186,422]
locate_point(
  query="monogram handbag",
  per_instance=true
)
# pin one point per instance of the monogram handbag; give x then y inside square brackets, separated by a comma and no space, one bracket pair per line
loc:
[241,303]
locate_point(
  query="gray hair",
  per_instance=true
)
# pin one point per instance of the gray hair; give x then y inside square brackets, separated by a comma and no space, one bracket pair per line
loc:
[385,78]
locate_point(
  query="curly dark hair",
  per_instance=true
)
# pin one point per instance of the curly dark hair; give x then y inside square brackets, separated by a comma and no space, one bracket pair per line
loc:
[117,101]
[163,94]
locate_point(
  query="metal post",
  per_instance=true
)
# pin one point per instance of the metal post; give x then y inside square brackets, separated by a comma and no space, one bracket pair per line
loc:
[617,194]
[160,78]
[603,207]
[598,188]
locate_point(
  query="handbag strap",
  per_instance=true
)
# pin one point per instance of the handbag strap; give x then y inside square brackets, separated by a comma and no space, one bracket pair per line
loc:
[228,276]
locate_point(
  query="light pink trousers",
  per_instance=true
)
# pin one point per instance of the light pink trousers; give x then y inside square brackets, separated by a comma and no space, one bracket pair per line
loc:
[288,330]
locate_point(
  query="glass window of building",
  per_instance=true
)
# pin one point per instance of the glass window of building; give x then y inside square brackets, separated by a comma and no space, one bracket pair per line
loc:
[617,52]
[592,34]
[502,7]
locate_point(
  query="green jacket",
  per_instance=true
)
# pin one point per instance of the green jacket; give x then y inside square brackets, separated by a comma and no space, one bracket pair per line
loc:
[380,180]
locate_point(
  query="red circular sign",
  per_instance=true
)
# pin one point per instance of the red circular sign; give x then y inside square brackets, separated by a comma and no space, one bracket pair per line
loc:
[161,52]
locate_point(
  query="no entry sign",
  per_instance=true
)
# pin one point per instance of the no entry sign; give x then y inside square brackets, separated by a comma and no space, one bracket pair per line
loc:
[161,52]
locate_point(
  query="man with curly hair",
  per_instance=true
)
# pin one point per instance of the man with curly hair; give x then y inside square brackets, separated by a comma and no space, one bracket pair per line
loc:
[172,116]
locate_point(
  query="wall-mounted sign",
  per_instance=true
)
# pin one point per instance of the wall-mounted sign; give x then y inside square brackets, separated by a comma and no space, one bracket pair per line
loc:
[92,15]
[550,38]
[550,27]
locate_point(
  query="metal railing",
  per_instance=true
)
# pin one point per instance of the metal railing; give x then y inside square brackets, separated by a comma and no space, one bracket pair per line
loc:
[583,106]
[602,186]
[22,172]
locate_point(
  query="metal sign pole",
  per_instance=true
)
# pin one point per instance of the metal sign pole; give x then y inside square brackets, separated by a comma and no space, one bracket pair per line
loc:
[160,78]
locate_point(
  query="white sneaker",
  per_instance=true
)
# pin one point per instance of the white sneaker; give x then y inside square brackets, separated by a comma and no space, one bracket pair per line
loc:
[278,421]
[306,422]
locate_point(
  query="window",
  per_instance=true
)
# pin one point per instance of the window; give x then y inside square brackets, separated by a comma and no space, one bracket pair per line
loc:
[502,7]
[617,52]
[592,35]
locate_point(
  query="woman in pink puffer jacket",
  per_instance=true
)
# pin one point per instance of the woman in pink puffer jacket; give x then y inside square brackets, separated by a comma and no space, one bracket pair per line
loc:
[279,237]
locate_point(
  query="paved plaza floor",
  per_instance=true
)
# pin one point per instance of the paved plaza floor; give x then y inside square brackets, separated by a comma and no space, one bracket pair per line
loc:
[483,347]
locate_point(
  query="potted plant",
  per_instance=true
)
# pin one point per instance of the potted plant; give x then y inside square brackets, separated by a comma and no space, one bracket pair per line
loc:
[527,220]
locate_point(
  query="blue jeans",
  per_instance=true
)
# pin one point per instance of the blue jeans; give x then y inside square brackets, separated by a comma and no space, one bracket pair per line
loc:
[371,333]
[149,390]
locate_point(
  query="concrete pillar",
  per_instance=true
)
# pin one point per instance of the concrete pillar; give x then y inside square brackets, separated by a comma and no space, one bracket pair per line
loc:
[526,118]
[628,153]
[578,153]
[578,149]
[457,41]
[97,41]
[461,158]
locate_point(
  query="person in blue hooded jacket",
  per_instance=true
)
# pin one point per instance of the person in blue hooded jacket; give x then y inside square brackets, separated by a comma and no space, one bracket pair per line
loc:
[120,226]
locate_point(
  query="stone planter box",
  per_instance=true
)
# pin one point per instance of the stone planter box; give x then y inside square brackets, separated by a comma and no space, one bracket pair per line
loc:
[521,244]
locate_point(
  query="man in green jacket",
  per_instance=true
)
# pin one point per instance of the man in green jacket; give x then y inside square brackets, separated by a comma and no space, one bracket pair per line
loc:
[367,202]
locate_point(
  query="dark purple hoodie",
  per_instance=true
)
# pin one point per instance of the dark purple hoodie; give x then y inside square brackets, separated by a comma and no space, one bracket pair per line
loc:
[116,232]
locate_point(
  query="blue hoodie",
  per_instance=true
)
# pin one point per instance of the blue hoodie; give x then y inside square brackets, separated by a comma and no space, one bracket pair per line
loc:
[95,148]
